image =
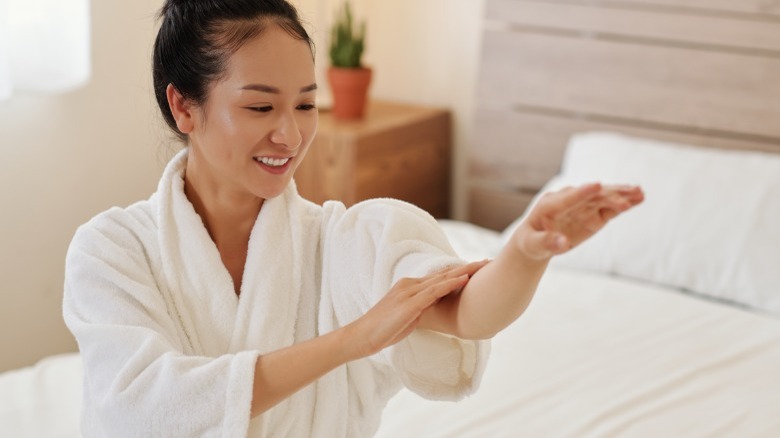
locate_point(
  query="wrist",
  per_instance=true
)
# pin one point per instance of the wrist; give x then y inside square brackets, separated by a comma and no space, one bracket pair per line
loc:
[518,255]
[351,343]
[539,245]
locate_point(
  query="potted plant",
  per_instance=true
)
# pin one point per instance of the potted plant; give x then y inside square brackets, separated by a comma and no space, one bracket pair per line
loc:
[348,78]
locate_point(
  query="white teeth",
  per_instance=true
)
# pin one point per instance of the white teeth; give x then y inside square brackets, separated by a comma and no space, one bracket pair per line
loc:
[273,162]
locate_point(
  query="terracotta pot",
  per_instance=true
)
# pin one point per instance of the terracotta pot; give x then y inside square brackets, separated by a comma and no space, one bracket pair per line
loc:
[350,91]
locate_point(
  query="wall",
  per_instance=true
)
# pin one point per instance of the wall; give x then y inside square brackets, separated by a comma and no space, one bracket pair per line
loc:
[427,51]
[64,159]
[68,157]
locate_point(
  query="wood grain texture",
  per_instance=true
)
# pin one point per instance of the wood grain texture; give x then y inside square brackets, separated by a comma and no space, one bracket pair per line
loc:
[328,171]
[695,72]
[681,87]
[663,27]
[495,208]
[747,9]
[413,164]
[523,150]
[397,151]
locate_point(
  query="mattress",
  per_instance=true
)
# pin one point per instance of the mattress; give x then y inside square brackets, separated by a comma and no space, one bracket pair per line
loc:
[600,356]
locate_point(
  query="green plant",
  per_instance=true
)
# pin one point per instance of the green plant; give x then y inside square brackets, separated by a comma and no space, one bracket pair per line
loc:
[347,41]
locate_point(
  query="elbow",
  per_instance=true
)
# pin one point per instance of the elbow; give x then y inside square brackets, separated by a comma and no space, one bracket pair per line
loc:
[474,333]
[477,335]
[480,329]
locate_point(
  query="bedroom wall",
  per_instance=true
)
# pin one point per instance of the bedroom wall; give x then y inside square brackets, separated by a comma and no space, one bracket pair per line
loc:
[431,59]
[64,159]
[68,157]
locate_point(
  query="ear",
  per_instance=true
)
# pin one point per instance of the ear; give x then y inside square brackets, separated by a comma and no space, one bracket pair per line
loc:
[181,109]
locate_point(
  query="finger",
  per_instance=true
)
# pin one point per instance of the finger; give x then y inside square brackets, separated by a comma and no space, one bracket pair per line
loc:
[455,271]
[610,200]
[430,280]
[408,281]
[616,202]
[468,269]
[633,194]
[432,293]
[613,197]
[637,196]
[441,272]
[585,220]
[565,201]
[545,244]
[617,205]
[595,214]
[607,214]
[622,188]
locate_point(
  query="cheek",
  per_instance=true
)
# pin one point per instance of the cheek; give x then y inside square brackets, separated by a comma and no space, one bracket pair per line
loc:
[228,135]
[229,124]
[309,129]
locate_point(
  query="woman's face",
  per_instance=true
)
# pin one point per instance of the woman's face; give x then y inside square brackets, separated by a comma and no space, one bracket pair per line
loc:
[258,121]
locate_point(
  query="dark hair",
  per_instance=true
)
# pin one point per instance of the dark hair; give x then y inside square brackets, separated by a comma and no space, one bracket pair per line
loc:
[197,37]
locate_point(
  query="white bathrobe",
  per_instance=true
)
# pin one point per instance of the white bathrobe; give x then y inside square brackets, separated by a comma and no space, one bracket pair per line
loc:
[169,350]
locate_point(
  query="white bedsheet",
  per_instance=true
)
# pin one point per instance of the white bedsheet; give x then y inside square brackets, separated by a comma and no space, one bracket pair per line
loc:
[43,400]
[599,356]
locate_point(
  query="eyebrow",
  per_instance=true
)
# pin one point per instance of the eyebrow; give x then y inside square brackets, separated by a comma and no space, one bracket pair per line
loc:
[273,90]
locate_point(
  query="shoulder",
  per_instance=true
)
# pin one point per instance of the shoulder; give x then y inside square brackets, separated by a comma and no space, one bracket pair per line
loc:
[383,227]
[383,213]
[110,262]
[116,230]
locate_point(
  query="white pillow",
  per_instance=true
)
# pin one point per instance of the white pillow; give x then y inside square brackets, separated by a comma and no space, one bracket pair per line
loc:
[710,222]
[470,241]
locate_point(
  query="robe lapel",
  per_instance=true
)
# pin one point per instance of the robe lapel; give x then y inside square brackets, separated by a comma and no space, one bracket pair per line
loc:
[199,285]
[271,286]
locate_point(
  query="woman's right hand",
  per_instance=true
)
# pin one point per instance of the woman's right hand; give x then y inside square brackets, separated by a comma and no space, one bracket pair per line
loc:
[397,314]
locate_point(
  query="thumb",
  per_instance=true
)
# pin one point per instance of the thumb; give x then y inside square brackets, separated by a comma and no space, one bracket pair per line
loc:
[545,244]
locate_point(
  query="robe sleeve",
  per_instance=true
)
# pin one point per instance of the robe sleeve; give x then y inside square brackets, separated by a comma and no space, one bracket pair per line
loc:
[137,379]
[367,249]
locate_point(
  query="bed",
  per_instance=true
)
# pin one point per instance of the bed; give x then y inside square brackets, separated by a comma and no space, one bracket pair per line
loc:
[665,324]
[600,355]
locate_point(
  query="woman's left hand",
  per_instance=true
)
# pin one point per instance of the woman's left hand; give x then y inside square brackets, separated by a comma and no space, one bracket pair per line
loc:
[564,219]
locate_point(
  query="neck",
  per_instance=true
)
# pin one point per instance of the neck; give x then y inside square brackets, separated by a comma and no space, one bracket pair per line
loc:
[227,215]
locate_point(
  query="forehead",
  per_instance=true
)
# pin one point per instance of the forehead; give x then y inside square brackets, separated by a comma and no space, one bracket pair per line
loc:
[274,57]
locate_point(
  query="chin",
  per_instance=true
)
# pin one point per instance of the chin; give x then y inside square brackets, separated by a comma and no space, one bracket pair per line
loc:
[270,192]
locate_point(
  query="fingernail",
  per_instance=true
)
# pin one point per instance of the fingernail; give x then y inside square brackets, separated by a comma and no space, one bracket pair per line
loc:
[560,242]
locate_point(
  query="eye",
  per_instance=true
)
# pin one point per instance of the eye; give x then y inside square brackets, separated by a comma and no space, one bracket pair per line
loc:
[261,109]
[307,107]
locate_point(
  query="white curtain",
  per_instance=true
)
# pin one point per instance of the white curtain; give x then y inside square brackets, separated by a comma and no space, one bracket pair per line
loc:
[44,45]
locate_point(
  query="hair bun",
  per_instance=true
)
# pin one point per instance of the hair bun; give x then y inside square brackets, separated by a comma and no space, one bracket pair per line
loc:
[176,7]
[180,3]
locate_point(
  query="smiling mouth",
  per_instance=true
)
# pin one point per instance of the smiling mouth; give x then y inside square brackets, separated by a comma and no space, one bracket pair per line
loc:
[273,162]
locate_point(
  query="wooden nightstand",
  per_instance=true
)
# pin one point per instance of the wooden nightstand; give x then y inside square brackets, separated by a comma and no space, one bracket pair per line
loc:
[396,151]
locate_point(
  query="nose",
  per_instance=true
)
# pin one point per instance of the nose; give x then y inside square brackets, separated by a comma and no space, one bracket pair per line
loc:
[286,132]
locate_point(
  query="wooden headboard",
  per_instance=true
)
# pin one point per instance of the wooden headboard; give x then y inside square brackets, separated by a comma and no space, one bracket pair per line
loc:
[699,72]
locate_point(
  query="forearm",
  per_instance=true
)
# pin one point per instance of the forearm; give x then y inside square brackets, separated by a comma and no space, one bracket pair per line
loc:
[494,297]
[498,293]
[280,374]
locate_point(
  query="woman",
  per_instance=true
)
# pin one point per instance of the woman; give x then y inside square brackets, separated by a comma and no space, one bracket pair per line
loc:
[227,305]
